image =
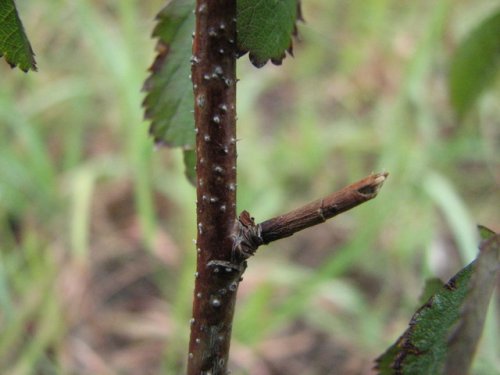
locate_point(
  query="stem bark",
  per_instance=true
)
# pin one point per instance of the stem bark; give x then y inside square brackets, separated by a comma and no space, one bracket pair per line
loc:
[214,85]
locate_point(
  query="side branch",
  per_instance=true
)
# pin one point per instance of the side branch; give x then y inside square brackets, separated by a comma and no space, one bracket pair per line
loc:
[250,236]
[323,209]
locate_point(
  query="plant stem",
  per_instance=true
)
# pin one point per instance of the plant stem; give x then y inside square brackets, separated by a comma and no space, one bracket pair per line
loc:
[249,236]
[321,210]
[214,84]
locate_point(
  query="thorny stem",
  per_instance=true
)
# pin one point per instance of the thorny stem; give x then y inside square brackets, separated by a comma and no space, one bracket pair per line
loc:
[214,85]
[223,242]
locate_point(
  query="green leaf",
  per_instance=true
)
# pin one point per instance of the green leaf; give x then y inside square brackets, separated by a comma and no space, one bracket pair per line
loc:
[485,233]
[265,29]
[444,332]
[475,64]
[189,165]
[431,286]
[465,336]
[14,43]
[422,348]
[169,100]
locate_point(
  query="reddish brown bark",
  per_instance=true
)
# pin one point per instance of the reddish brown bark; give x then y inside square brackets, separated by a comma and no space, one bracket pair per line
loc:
[214,84]
[249,236]
[321,210]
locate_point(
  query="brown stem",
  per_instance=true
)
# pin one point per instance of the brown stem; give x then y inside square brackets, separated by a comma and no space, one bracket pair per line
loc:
[323,209]
[214,84]
[249,236]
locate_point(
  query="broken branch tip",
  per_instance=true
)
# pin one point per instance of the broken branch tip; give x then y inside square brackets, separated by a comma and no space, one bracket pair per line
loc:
[380,178]
[372,184]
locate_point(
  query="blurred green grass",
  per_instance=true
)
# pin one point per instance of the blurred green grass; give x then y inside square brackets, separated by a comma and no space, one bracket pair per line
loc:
[96,226]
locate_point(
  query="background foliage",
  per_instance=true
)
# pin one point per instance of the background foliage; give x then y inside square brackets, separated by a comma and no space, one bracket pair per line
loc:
[96,256]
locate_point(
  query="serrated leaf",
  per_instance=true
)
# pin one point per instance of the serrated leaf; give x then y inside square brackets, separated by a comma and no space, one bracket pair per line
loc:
[465,336]
[265,29]
[14,44]
[475,64]
[169,102]
[447,327]
[422,348]
[431,286]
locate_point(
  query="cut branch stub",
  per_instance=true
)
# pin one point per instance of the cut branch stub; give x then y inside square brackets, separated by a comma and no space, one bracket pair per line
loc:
[322,209]
[248,236]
